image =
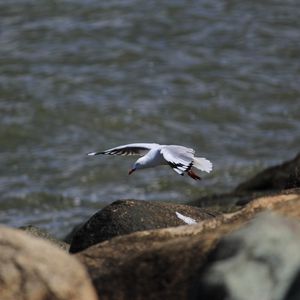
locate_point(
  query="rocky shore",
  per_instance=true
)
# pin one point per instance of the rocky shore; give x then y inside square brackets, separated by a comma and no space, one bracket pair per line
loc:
[148,250]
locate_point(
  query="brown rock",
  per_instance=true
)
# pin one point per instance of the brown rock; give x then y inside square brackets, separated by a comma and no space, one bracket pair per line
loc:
[162,264]
[33,269]
[127,216]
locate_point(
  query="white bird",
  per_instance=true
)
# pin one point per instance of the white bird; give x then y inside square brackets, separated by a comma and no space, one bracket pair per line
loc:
[181,159]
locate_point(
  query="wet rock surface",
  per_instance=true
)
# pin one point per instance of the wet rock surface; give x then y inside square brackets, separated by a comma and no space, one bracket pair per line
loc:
[31,268]
[124,217]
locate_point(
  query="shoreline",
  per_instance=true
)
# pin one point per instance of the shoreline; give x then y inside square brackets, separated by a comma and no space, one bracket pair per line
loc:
[174,251]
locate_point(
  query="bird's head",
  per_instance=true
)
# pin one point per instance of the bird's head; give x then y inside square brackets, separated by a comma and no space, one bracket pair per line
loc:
[137,165]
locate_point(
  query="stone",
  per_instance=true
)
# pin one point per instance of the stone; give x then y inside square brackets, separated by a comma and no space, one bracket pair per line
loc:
[259,261]
[69,237]
[165,263]
[285,176]
[43,234]
[127,216]
[279,177]
[33,269]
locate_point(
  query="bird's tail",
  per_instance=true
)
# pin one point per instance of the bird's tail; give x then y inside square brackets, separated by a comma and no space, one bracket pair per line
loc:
[202,164]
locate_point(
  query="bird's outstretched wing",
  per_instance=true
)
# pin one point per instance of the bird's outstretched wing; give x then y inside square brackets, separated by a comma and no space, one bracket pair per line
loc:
[130,149]
[179,158]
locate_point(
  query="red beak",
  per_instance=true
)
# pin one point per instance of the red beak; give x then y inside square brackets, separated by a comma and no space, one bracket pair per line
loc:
[131,171]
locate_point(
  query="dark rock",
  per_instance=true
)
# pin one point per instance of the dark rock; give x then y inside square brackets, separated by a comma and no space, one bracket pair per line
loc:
[164,263]
[259,261]
[43,234]
[284,176]
[270,181]
[69,237]
[31,268]
[246,197]
[124,217]
[293,292]
[225,202]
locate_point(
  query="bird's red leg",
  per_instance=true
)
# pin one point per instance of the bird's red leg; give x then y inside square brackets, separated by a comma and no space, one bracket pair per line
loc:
[193,175]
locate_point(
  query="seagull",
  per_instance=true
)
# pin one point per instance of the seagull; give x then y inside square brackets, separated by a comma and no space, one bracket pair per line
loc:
[181,159]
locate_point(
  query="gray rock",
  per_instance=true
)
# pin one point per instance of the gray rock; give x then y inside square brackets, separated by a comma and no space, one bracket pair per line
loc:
[124,217]
[259,261]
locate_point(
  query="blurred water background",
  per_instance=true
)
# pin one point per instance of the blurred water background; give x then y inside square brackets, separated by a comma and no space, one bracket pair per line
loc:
[77,76]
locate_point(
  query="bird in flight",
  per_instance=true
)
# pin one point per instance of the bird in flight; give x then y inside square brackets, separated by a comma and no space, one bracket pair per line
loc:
[181,159]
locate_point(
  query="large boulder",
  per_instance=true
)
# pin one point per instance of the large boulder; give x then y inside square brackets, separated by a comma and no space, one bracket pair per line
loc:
[259,261]
[31,268]
[283,176]
[165,263]
[127,216]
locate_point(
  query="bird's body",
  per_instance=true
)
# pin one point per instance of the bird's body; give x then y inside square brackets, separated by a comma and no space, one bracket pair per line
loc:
[181,159]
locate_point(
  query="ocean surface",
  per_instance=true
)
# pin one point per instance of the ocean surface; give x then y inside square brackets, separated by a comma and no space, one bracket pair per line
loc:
[222,77]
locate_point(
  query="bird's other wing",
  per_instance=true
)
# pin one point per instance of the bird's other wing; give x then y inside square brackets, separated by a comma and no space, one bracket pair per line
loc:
[130,149]
[179,158]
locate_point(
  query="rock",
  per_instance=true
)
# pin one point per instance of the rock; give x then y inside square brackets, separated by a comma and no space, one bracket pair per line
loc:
[258,261]
[293,292]
[31,268]
[164,263]
[270,181]
[284,176]
[144,265]
[227,202]
[124,217]
[43,234]
[69,237]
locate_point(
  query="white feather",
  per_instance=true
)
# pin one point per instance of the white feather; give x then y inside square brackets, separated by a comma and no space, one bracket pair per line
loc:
[185,219]
[202,164]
